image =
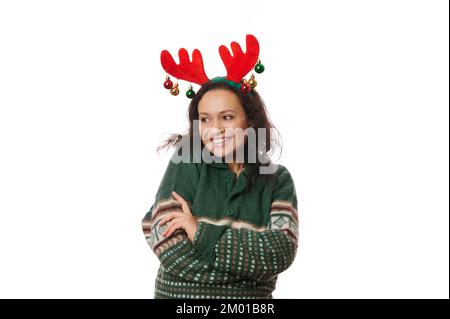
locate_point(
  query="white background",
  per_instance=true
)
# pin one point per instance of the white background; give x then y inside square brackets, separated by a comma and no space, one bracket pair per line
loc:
[358,90]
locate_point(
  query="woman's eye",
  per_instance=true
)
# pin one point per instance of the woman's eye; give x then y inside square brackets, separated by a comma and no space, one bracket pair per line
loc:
[203,120]
[228,117]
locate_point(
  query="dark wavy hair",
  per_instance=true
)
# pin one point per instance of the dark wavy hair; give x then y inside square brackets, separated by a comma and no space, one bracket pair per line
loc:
[257,117]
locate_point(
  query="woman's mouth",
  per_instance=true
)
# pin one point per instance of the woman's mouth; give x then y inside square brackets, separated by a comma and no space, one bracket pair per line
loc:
[220,141]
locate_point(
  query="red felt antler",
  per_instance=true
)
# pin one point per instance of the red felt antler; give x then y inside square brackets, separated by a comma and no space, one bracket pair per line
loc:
[186,70]
[240,63]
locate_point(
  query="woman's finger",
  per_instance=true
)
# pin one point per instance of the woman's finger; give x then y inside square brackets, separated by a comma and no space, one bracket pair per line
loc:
[166,219]
[169,217]
[170,224]
[173,226]
[178,197]
[183,202]
[178,221]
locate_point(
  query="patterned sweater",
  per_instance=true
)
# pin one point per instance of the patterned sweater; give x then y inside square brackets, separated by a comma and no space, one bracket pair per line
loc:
[243,240]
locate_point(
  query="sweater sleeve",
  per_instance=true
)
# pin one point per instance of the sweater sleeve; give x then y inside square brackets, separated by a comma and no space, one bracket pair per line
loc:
[259,254]
[176,253]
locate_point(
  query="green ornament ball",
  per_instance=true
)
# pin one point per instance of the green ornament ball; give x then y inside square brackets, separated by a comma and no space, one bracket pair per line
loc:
[190,93]
[259,68]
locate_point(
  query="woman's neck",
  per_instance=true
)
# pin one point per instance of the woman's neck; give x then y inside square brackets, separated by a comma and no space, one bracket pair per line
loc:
[236,167]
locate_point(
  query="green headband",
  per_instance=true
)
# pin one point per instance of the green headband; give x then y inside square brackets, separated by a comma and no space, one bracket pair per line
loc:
[224,79]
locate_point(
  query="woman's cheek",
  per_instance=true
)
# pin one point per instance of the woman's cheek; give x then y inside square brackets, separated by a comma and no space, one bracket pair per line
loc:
[240,139]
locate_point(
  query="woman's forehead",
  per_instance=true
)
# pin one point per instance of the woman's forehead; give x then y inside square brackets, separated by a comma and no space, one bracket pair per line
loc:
[218,101]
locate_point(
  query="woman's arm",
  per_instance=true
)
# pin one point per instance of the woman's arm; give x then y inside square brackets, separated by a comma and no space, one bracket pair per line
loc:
[259,254]
[176,252]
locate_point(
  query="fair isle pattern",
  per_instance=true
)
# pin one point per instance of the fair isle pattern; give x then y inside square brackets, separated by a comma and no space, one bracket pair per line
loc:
[181,262]
[260,256]
[176,252]
[246,255]
[237,224]
[153,231]
[168,286]
[284,217]
[259,253]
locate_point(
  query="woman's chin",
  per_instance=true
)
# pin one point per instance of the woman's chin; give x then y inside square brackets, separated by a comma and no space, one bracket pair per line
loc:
[220,151]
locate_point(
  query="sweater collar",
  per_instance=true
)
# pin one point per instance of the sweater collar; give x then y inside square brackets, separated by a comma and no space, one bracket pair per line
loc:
[219,162]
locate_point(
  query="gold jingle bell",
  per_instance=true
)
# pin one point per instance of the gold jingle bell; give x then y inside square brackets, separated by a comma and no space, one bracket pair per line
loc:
[252,82]
[175,90]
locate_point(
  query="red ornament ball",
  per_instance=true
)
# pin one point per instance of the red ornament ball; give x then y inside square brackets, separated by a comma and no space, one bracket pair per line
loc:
[245,87]
[168,84]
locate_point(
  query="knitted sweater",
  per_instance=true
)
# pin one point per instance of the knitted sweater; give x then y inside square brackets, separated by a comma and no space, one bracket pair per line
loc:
[243,241]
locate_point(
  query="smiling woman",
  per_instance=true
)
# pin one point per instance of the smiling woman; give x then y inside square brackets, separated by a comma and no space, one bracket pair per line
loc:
[221,110]
[223,122]
[223,229]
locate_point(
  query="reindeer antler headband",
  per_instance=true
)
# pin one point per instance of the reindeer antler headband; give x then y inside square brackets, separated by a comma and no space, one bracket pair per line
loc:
[237,66]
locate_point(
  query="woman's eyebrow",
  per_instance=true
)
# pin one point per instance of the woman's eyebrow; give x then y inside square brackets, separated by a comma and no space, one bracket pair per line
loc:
[219,113]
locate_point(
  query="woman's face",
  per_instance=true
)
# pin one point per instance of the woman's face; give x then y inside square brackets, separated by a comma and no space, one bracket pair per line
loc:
[222,121]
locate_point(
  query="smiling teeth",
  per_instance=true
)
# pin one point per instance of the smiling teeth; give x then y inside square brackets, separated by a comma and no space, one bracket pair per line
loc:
[219,141]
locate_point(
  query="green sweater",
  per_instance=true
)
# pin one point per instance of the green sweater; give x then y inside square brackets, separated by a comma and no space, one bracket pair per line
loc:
[243,241]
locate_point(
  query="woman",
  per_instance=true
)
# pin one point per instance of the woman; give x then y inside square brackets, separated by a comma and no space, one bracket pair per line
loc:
[223,229]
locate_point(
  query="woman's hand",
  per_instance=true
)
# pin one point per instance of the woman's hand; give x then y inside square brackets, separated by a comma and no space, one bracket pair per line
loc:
[180,220]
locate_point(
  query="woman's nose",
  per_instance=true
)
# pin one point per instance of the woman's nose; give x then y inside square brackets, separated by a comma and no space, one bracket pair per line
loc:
[217,130]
